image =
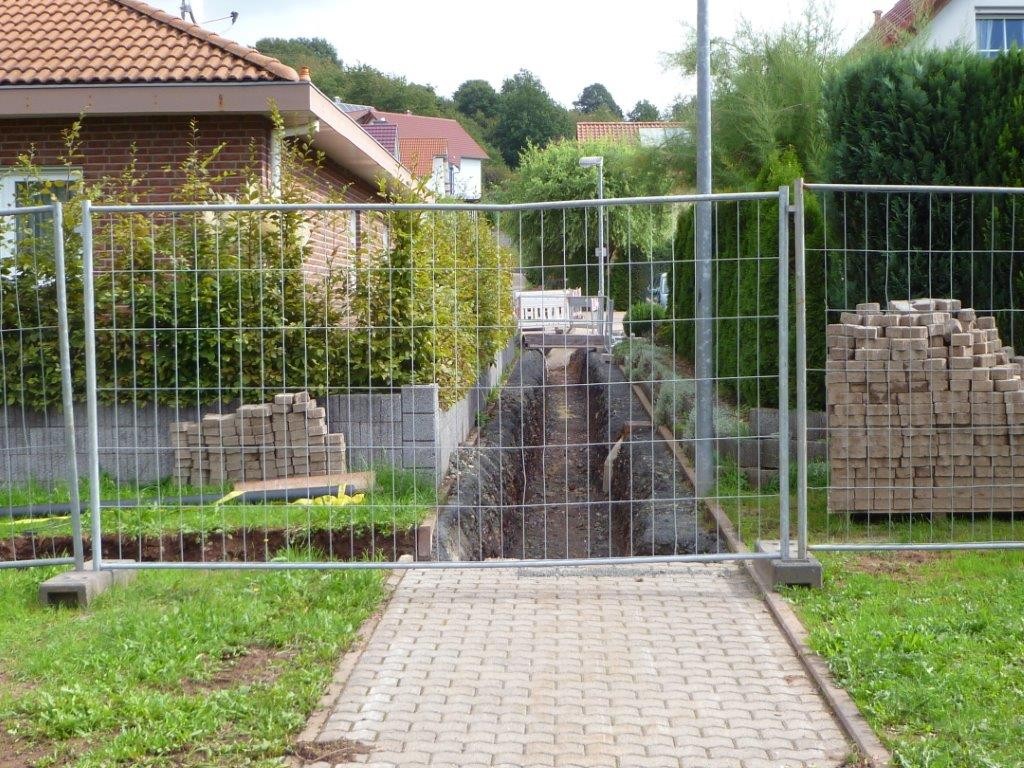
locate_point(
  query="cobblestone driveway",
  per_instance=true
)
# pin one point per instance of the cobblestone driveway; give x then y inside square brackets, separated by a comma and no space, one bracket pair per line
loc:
[643,666]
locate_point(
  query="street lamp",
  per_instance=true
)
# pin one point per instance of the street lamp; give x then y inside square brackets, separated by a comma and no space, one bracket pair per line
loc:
[596,161]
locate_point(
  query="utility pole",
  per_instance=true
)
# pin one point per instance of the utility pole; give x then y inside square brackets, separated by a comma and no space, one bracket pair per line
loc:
[704,353]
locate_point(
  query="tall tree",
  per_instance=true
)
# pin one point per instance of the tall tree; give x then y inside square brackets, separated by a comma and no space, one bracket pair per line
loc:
[593,98]
[643,111]
[477,99]
[767,95]
[527,115]
[361,84]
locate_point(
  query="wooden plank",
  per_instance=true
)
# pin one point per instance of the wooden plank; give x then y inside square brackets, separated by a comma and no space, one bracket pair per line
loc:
[363,481]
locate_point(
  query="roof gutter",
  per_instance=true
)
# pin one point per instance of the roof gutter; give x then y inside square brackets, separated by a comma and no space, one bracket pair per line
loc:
[300,102]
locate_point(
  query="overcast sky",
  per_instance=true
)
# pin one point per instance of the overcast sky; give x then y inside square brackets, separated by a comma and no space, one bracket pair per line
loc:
[446,42]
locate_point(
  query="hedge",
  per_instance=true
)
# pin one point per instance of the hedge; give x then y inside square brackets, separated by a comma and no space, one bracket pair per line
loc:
[928,117]
[195,309]
[746,293]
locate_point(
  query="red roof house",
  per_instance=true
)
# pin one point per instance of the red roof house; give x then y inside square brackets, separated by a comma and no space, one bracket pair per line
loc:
[461,174]
[647,133]
[142,79]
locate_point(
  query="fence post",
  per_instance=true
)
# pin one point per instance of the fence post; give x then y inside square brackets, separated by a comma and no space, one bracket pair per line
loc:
[92,431]
[784,372]
[800,278]
[67,395]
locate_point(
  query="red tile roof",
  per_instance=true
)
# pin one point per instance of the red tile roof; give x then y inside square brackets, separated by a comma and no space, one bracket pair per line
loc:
[118,41]
[618,131]
[418,154]
[386,135]
[907,16]
[460,143]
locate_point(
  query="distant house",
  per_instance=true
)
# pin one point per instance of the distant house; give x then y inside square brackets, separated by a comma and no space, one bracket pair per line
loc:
[436,149]
[989,27]
[646,134]
[141,78]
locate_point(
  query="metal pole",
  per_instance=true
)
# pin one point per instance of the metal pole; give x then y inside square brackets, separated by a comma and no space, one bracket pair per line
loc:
[704,352]
[602,301]
[784,372]
[67,395]
[92,431]
[800,278]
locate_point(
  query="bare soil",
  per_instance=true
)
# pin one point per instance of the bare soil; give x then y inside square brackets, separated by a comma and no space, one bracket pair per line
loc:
[241,545]
[902,566]
[566,514]
[337,751]
[257,665]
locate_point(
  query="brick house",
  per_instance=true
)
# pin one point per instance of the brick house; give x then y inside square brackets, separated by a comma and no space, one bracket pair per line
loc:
[989,27]
[140,79]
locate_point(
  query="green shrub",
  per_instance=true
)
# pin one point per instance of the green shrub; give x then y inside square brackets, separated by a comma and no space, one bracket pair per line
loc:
[642,365]
[194,308]
[918,116]
[745,273]
[643,318]
[674,402]
[726,424]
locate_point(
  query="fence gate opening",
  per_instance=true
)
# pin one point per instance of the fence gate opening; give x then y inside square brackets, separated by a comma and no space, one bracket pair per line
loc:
[336,386]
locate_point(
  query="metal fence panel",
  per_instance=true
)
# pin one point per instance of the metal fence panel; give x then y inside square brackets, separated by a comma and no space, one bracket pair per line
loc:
[914,317]
[286,386]
[38,466]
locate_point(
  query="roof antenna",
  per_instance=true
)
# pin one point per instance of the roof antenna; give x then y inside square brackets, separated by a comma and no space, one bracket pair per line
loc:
[186,8]
[233,16]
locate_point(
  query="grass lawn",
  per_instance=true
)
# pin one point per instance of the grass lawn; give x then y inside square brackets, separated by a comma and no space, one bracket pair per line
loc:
[398,501]
[176,669]
[756,516]
[931,647]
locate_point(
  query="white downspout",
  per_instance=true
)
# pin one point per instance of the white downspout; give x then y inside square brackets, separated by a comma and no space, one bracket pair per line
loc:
[277,137]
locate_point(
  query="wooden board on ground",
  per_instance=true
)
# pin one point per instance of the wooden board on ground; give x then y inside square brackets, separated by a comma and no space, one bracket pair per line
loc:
[562,340]
[363,481]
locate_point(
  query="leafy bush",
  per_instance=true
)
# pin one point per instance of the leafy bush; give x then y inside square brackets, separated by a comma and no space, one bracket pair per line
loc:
[745,271]
[726,423]
[643,318]
[920,116]
[194,308]
[429,312]
[558,246]
[674,402]
[642,364]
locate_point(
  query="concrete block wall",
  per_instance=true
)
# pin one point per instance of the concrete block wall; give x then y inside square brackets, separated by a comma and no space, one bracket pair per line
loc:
[757,454]
[134,446]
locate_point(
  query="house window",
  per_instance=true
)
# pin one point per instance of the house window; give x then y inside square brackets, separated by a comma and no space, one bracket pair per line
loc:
[20,190]
[999,33]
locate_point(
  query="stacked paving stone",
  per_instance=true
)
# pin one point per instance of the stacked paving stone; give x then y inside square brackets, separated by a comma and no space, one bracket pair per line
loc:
[925,411]
[284,439]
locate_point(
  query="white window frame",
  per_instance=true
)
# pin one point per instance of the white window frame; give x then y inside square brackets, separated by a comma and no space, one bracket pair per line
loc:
[9,180]
[1010,13]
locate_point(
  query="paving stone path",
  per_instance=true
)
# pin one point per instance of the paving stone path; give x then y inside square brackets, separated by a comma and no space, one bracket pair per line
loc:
[676,665]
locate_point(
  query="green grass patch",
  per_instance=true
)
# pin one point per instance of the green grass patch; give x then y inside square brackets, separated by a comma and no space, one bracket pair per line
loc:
[756,515]
[399,500]
[931,647]
[164,671]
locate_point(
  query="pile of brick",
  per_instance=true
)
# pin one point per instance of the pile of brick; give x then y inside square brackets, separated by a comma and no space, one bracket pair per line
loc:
[284,439]
[925,411]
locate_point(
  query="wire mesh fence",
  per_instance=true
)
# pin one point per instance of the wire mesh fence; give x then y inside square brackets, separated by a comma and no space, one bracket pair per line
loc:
[916,289]
[290,385]
[38,464]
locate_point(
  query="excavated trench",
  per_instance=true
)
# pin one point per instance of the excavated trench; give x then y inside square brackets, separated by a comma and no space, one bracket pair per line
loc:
[567,465]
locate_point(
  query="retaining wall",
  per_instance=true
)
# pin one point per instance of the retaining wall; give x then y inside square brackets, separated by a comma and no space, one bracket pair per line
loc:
[757,454]
[402,427]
